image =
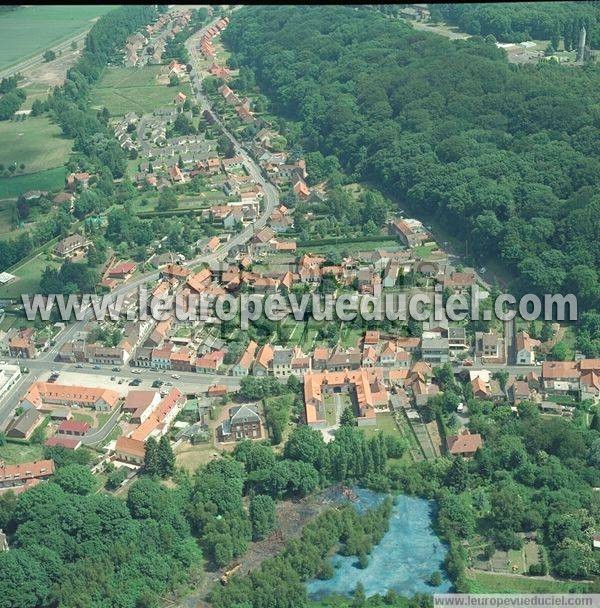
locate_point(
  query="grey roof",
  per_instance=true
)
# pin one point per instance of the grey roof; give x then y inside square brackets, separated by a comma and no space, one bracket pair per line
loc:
[25,421]
[282,356]
[457,333]
[243,413]
[434,343]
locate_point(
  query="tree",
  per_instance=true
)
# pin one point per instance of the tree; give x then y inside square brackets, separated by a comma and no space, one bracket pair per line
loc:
[49,56]
[165,457]
[151,458]
[262,516]
[347,417]
[560,351]
[75,479]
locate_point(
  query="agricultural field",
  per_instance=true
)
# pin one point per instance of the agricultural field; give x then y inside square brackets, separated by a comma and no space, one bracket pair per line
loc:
[123,90]
[37,143]
[30,30]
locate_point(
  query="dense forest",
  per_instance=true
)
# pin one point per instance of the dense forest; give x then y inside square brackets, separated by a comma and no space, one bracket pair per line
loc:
[505,156]
[519,21]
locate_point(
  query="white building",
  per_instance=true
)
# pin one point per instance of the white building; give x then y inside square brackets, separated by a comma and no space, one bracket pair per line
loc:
[9,376]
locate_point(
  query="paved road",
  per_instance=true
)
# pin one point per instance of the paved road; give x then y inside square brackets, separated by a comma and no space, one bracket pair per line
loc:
[271,201]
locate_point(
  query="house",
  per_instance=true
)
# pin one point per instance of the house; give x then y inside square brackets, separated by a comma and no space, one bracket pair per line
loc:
[457,338]
[78,179]
[140,404]
[25,424]
[519,391]
[560,377]
[179,98]
[242,367]
[263,362]
[73,427]
[44,395]
[364,386]
[435,350]
[22,346]
[175,271]
[212,245]
[157,424]
[340,361]
[70,245]
[525,348]
[244,423]
[63,441]
[371,337]
[390,276]
[465,444]
[261,241]
[210,362]
[489,346]
[175,174]
[130,450]
[410,232]
[19,475]
[122,271]
[217,390]
[282,362]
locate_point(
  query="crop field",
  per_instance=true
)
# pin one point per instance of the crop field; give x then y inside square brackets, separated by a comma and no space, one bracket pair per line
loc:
[123,90]
[35,142]
[33,29]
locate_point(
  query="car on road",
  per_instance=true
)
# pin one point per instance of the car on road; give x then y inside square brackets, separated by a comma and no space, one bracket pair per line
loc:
[168,384]
[97,367]
[79,366]
[116,369]
[176,376]
[136,371]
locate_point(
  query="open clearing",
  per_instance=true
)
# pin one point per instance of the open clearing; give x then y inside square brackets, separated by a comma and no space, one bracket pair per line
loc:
[16,453]
[30,30]
[123,90]
[36,142]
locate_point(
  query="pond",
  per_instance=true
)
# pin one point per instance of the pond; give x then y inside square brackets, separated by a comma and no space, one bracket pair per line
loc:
[403,561]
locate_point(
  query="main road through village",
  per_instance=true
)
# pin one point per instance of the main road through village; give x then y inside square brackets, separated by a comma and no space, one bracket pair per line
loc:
[190,382]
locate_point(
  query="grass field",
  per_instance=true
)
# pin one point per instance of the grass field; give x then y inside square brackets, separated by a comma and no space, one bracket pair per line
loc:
[30,30]
[35,142]
[51,179]
[123,90]
[16,453]
[28,280]
[481,582]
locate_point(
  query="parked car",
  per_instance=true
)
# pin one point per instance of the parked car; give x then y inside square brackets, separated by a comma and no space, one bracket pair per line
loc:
[79,366]
[157,384]
[116,369]
[97,367]
[135,382]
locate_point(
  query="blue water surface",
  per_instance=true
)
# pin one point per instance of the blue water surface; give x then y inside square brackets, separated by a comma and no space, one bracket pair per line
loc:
[404,559]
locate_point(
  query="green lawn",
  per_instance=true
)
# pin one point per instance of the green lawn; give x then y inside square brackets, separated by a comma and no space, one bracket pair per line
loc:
[32,29]
[51,179]
[28,280]
[389,245]
[481,582]
[36,142]
[16,453]
[123,90]
[385,422]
